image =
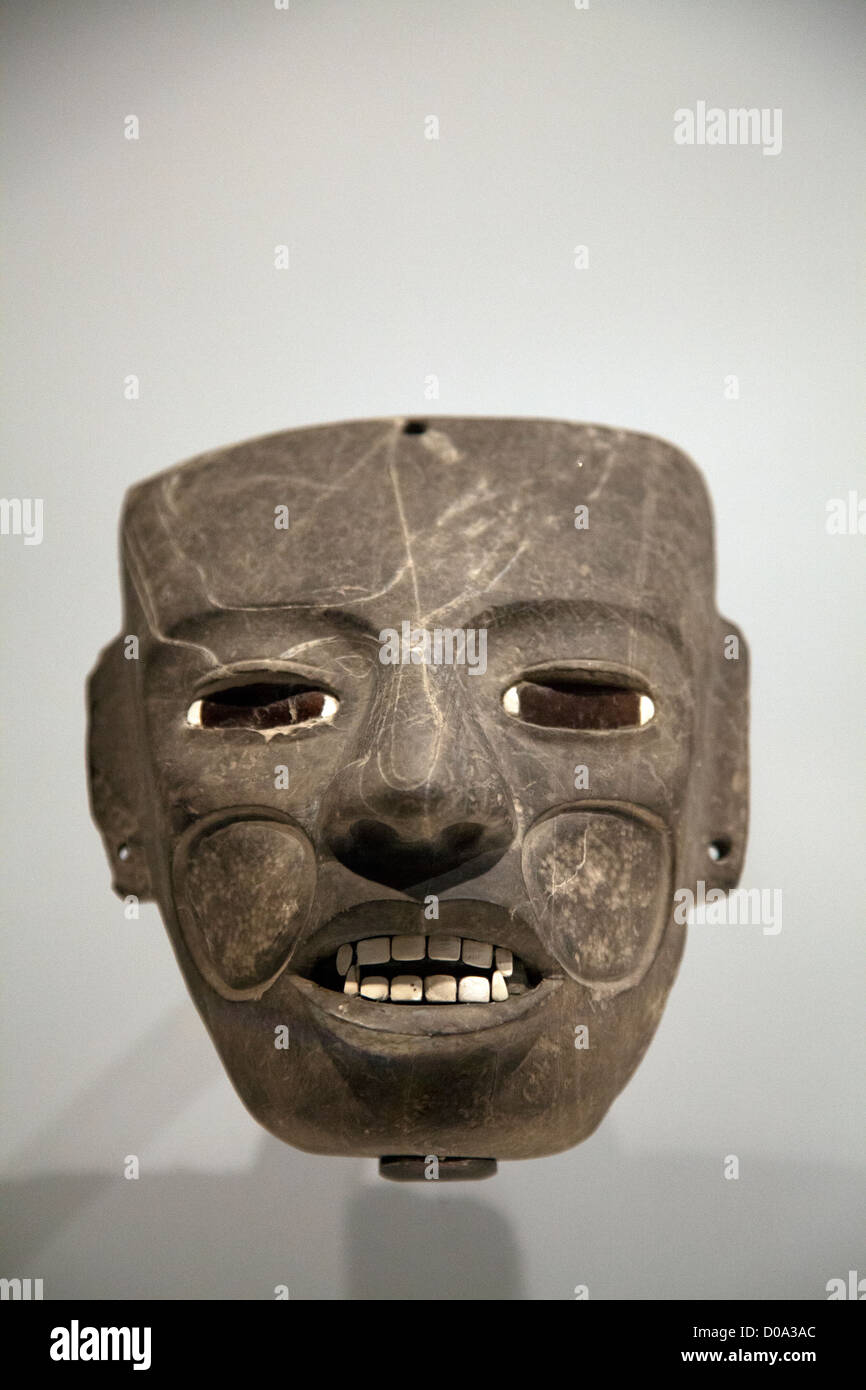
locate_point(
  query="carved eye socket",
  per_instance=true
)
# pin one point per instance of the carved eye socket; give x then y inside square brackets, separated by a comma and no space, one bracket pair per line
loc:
[265,706]
[574,702]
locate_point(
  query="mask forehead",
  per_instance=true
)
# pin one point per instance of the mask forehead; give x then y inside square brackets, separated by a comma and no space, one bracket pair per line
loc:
[383,524]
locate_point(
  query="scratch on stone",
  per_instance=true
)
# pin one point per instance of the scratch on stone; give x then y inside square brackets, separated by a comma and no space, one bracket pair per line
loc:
[559,884]
[474,590]
[438,443]
[381,441]
[605,474]
[481,492]
[410,560]
[404,526]
[147,603]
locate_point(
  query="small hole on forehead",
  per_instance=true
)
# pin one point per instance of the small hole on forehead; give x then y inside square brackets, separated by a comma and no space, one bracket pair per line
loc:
[415,427]
[718,850]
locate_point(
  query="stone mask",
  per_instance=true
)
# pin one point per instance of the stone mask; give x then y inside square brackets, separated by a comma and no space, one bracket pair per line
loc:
[413,731]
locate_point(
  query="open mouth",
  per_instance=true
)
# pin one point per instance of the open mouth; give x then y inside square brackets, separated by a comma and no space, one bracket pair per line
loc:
[418,969]
[478,966]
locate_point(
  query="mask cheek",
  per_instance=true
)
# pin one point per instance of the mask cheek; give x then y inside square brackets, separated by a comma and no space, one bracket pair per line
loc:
[243,891]
[600,881]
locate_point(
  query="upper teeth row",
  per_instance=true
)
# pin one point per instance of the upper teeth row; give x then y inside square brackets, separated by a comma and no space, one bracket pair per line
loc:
[378,950]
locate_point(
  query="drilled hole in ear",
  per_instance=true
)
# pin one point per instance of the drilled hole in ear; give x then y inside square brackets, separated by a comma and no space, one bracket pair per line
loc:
[719,850]
[415,427]
[123,852]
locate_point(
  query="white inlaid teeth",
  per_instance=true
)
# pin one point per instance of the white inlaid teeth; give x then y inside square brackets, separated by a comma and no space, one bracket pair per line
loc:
[473,989]
[479,973]
[376,950]
[478,953]
[504,961]
[444,947]
[374,987]
[440,989]
[498,987]
[408,947]
[407,989]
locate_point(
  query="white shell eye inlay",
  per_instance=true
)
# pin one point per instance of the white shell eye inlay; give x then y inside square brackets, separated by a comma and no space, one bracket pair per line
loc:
[511,700]
[575,702]
[647,709]
[267,707]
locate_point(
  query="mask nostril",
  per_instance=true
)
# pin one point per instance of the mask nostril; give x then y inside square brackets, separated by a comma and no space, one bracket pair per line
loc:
[463,838]
[375,851]
[719,850]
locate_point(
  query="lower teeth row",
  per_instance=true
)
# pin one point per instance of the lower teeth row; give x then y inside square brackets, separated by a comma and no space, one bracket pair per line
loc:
[433,989]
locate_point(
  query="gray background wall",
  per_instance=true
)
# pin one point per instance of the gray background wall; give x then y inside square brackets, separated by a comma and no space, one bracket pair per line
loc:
[412,257]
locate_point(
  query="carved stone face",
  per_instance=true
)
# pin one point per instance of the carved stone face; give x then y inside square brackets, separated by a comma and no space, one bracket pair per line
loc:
[303,774]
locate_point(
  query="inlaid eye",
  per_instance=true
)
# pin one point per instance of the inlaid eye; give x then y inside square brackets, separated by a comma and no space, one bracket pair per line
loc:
[267,707]
[576,702]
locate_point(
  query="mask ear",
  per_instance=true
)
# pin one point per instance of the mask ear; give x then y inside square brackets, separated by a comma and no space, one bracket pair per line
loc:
[113,772]
[726,738]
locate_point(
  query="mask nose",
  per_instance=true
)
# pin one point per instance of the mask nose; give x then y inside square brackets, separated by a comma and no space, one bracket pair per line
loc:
[423,800]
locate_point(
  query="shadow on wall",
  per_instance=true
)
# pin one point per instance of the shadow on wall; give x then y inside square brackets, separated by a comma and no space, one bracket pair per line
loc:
[629,1225]
[325,1228]
[241,1235]
[426,1245]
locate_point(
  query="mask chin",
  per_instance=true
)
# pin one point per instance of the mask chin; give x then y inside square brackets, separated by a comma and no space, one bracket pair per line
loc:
[244,880]
[600,878]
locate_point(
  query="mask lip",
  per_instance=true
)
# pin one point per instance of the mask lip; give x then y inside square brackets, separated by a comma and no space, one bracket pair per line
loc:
[426,1021]
[457,917]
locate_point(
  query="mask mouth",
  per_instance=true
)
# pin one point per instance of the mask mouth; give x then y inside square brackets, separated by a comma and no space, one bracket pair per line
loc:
[476,966]
[411,969]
